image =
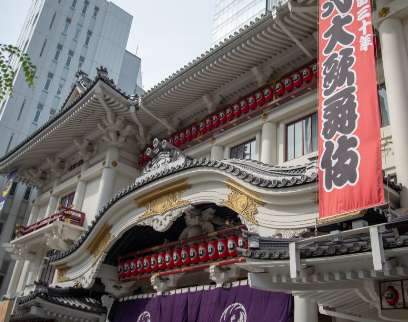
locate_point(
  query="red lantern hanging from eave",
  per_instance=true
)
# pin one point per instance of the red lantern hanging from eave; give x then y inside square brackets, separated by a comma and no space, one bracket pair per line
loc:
[315,68]
[177,257]
[120,269]
[126,269]
[139,265]
[237,110]
[222,248]
[208,124]
[194,131]
[182,138]
[133,267]
[232,245]
[242,242]
[307,74]
[194,258]
[185,255]
[212,250]
[202,128]
[287,82]
[297,80]
[161,264]
[215,121]
[223,117]
[153,263]
[176,140]
[187,134]
[202,252]
[244,106]
[260,99]
[268,94]
[251,102]
[279,89]
[168,258]
[146,264]
[230,114]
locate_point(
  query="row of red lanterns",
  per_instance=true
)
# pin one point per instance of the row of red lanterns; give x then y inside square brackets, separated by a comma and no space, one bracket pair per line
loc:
[189,254]
[252,102]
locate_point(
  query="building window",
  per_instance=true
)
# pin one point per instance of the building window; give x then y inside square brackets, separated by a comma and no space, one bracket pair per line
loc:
[301,137]
[77,32]
[52,20]
[27,193]
[38,113]
[9,142]
[69,58]
[67,200]
[13,188]
[95,13]
[48,81]
[85,8]
[21,110]
[88,37]
[67,24]
[59,90]
[383,102]
[58,52]
[81,61]
[245,150]
[52,112]
[73,5]
[43,46]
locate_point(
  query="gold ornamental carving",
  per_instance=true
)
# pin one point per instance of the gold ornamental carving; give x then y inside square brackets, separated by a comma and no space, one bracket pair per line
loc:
[243,201]
[161,201]
[62,274]
[100,242]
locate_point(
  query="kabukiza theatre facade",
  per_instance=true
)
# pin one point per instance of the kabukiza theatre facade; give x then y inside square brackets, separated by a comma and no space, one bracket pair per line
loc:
[199,201]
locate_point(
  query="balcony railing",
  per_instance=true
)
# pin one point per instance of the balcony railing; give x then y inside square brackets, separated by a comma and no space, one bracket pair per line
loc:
[219,248]
[65,214]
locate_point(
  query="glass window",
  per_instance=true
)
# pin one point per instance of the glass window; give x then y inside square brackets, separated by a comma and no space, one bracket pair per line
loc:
[52,20]
[67,200]
[58,52]
[59,90]
[244,151]
[301,137]
[43,46]
[85,8]
[95,13]
[383,102]
[77,32]
[81,61]
[73,5]
[21,110]
[69,58]
[67,24]
[38,112]
[48,81]
[13,188]
[88,37]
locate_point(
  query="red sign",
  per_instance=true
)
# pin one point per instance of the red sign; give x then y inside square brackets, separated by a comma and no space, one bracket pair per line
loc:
[350,171]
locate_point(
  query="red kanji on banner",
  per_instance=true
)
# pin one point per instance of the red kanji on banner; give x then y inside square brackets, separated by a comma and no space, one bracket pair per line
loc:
[350,171]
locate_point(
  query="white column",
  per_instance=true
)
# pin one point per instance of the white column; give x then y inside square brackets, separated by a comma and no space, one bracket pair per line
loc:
[52,205]
[23,277]
[395,63]
[107,182]
[33,214]
[305,310]
[15,278]
[79,195]
[258,147]
[269,143]
[227,151]
[217,152]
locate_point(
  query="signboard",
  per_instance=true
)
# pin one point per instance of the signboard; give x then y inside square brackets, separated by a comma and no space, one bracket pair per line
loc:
[350,171]
[5,190]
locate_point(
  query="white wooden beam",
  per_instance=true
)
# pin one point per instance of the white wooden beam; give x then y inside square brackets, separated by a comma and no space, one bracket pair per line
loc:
[377,249]
[294,261]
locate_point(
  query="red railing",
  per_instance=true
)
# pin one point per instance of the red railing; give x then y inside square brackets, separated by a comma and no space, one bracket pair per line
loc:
[65,214]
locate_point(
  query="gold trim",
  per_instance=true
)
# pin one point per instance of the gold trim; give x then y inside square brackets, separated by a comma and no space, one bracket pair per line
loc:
[384,12]
[243,201]
[342,217]
[61,273]
[176,186]
[98,244]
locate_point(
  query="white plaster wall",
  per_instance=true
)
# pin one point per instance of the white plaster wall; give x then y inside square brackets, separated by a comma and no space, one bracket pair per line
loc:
[41,213]
[91,199]
[121,182]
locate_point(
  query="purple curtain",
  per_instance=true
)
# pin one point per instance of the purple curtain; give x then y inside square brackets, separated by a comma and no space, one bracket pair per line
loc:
[239,304]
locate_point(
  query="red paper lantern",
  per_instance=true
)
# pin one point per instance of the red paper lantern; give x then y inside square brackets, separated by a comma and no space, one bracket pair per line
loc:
[230,114]
[208,124]
[194,131]
[252,102]
[232,246]
[168,258]
[153,263]
[223,117]
[139,265]
[161,263]
[177,257]
[307,74]
[287,82]
[176,140]
[212,250]
[194,258]
[215,121]
[126,269]
[146,264]
[268,94]
[237,110]
[260,99]
[182,138]
[133,267]
[185,255]
[187,134]
[120,269]
[222,248]
[279,89]
[203,128]
[297,80]
[315,69]
[202,252]
[242,242]
[243,104]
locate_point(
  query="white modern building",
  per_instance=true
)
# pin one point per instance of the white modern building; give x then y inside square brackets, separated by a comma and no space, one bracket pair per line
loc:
[224,206]
[61,38]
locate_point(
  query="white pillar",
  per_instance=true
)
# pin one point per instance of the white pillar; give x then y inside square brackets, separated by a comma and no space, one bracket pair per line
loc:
[217,152]
[79,195]
[227,151]
[15,278]
[23,277]
[258,147]
[269,143]
[305,310]
[107,182]
[395,63]
[52,206]
[33,214]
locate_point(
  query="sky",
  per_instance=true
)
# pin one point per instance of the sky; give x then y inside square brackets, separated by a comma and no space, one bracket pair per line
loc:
[166,34]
